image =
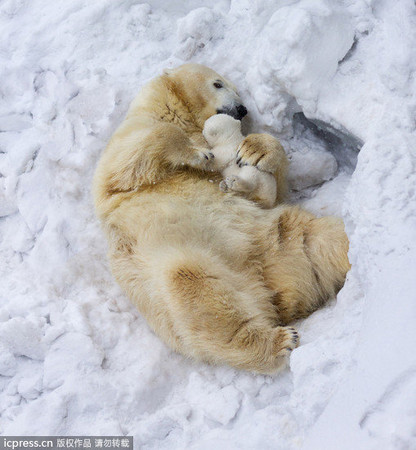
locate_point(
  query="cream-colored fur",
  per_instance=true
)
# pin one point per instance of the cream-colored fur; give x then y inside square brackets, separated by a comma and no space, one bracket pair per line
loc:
[217,277]
[223,134]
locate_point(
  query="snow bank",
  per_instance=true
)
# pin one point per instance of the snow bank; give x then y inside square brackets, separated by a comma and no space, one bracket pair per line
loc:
[75,356]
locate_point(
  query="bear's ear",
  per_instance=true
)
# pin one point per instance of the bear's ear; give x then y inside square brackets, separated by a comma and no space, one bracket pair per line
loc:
[167,71]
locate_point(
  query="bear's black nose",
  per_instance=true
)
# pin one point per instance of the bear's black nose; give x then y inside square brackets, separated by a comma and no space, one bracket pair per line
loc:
[241,111]
[238,112]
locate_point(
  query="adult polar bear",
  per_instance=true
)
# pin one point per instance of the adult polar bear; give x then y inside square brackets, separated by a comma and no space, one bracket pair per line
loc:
[217,277]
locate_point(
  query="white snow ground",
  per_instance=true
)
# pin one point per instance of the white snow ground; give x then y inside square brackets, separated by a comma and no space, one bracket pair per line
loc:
[75,356]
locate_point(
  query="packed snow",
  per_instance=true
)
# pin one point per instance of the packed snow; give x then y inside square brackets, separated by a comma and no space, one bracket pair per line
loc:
[335,81]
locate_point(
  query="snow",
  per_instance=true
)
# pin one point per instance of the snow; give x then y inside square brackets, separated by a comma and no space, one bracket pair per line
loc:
[75,355]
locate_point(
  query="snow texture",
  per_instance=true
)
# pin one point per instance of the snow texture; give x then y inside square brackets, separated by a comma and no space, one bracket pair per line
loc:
[325,77]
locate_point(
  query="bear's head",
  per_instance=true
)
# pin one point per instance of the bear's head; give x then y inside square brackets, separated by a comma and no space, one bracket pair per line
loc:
[204,92]
[222,129]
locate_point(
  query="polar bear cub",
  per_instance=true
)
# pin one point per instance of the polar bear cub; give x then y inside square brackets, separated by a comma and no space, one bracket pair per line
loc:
[223,134]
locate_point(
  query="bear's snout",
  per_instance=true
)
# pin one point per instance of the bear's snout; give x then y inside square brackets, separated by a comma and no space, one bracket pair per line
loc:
[238,111]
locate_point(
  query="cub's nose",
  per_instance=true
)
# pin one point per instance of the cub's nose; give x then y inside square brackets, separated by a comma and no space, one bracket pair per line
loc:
[241,111]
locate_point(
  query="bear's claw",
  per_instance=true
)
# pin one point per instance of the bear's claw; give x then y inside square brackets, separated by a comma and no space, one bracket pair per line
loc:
[287,339]
[203,159]
[260,150]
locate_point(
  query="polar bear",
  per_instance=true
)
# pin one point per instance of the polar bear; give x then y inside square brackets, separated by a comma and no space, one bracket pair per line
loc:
[217,277]
[223,134]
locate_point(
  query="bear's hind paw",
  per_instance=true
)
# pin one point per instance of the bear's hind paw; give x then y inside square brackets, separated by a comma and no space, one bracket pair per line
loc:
[286,340]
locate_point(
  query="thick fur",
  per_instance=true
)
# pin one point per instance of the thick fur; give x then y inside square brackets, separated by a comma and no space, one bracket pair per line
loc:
[223,134]
[217,277]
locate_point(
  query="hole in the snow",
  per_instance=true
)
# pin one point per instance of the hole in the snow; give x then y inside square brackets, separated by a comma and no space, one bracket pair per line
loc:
[322,160]
[342,145]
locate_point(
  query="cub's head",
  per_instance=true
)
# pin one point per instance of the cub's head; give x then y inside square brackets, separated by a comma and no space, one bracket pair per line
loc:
[204,92]
[222,129]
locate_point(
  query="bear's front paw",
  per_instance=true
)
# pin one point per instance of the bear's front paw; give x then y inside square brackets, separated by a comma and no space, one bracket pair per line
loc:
[260,150]
[202,159]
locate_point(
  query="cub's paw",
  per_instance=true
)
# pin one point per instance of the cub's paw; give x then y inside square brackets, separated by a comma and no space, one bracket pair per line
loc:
[227,184]
[262,151]
[235,184]
[286,340]
[223,186]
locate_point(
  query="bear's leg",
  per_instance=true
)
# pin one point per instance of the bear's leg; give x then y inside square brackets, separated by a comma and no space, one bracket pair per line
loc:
[306,263]
[222,316]
[134,158]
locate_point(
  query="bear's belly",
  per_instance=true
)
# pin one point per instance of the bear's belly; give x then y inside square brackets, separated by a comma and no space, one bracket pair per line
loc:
[198,217]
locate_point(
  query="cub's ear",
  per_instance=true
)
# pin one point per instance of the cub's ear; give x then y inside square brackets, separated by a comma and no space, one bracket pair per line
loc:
[210,134]
[213,132]
[210,131]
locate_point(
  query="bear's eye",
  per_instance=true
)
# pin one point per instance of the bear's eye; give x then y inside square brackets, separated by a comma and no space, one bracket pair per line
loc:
[218,85]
